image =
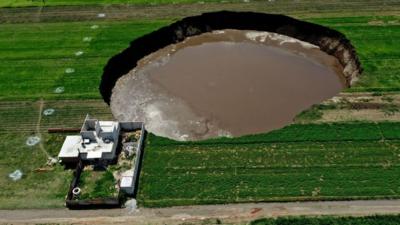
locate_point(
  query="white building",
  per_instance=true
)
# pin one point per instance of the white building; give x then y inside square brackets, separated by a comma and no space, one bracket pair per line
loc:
[98,140]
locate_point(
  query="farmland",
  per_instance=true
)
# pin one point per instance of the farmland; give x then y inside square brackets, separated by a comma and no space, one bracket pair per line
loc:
[376,220]
[314,159]
[306,162]
[19,3]
[41,53]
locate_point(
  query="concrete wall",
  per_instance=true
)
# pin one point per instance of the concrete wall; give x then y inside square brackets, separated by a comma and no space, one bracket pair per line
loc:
[128,126]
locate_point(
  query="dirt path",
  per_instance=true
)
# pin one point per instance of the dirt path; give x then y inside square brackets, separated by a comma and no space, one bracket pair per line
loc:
[230,213]
[41,146]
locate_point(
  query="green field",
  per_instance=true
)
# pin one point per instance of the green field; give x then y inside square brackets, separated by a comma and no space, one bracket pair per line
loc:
[300,162]
[343,160]
[40,54]
[18,121]
[327,220]
[36,189]
[21,3]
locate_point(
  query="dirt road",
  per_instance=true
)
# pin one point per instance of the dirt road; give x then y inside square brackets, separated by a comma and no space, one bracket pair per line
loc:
[231,213]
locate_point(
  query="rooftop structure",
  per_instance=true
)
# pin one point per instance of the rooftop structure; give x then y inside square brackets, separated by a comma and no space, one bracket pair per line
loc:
[98,140]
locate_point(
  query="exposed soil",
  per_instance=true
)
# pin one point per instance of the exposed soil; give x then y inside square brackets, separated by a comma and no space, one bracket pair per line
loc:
[361,107]
[200,214]
[227,82]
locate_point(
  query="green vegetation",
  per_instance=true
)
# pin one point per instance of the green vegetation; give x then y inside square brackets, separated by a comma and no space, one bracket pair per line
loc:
[34,57]
[41,52]
[329,220]
[310,114]
[300,162]
[390,109]
[375,39]
[22,116]
[19,3]
[45,188]
[36,189]
[325,132]
[97,184]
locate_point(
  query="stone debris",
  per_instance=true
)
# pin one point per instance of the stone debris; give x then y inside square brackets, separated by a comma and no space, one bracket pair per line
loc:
[48,112]
[16,175]
[87,39]
[131,205]
[101,15]
[79,53]
[281,39]
[218,32]
[51,161]
[59,90]
[69,70]
[32,140]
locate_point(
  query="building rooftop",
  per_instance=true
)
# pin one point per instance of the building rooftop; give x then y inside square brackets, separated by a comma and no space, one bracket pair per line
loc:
[97,140]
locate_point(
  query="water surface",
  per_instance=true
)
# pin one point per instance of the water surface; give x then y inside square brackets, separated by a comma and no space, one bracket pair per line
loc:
[226,83]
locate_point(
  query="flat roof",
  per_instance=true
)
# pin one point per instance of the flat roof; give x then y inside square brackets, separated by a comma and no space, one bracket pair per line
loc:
[70,147]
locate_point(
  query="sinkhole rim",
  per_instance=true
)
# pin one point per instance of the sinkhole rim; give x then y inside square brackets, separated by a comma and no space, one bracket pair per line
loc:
[328,40]
[170,89]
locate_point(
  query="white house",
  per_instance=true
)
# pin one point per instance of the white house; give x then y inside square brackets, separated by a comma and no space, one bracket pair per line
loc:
[98,140]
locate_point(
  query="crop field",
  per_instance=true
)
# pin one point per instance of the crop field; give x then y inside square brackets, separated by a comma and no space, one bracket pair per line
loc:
[42,53]
[45,56]
[369,220]
[19,3]
[49,60]
[300,162]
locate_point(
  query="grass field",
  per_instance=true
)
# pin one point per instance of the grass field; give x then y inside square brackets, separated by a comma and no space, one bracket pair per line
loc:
[21,3]
[41,186]
[97,184]
[36,189]
[328,220]
[40,54]
[300,162]
[343,160]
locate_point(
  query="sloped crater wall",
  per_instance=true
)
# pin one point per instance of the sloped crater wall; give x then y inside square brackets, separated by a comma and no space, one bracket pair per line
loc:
[330,41]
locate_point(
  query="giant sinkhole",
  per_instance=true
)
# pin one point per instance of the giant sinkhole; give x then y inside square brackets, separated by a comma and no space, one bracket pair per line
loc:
[227,74]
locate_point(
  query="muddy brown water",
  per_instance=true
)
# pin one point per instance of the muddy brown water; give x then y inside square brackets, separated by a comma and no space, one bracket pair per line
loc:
[226,83]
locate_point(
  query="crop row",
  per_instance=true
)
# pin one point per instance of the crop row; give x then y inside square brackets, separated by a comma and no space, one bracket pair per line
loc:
[331,220]
[269,172]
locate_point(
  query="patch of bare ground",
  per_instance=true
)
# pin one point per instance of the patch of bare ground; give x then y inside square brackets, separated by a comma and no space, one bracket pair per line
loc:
[353,115]
[361,107]
[201,214]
